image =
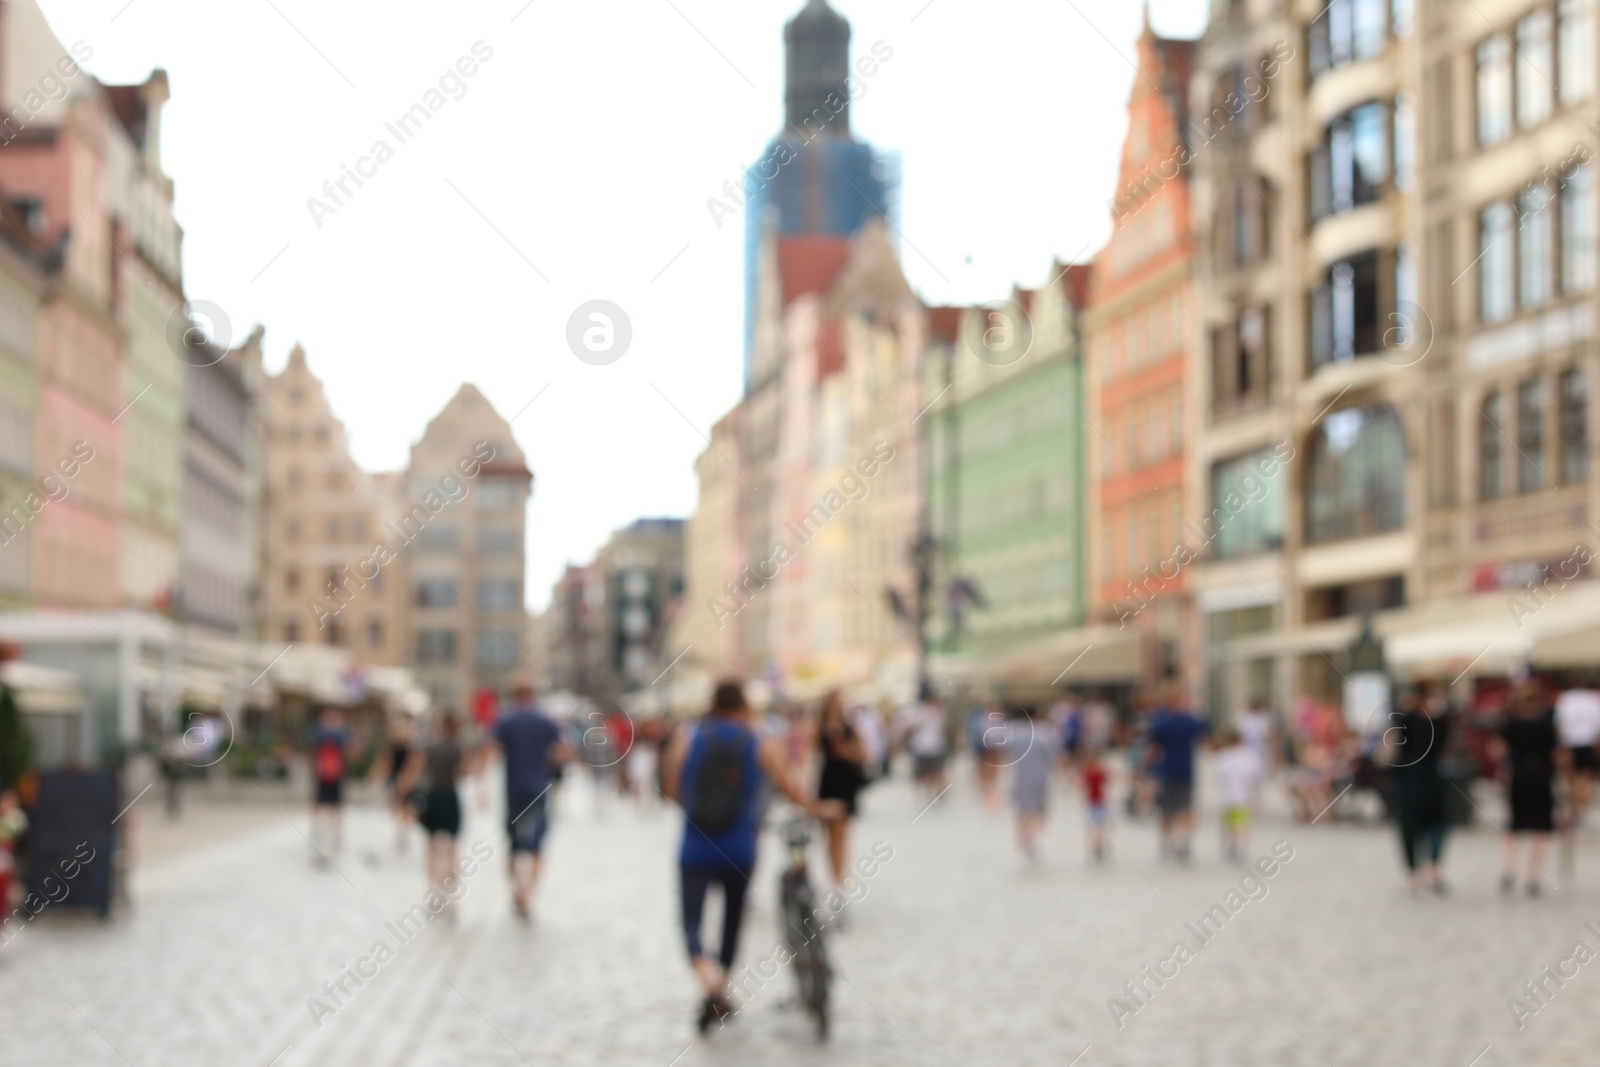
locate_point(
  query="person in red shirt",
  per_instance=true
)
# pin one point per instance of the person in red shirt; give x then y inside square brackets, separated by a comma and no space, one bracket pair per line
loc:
[1094,777]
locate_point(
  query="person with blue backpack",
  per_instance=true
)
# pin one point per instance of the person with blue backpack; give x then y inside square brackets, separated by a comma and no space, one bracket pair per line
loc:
[714,771]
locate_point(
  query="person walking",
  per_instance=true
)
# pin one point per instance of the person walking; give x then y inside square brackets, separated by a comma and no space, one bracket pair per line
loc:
[1529,748]
[330,744]
[842,776]
[986,733]
[1417,740]
[1033,748]
[1173,733]
[534,751]
[715,771]
[396,785]
[924,730]
[440,766]
[1240,770]
[1578,724]
[1097,812]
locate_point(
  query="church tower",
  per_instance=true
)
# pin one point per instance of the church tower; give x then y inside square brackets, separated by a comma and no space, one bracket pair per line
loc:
[817,62]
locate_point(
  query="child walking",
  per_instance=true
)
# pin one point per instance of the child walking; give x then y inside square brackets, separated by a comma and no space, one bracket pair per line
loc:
[1239,772]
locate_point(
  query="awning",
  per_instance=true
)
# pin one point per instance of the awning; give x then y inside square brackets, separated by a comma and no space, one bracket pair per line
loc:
[1087,655]
[42,690]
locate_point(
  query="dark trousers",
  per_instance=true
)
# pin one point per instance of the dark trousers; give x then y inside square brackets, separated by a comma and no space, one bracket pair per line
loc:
[695,884]
[1412,835]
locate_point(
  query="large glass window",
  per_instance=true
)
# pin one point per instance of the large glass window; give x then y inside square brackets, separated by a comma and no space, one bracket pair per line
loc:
[1575,42]
[1345,320]
[1494,90]
[1491,439]
[499,539]
[1535,246]
[1535,69]
[1350,30]
[1530,435]
[1578,230]
[1574,427]
[1355,475]
[1351,165]
[499,595]
[1496,248]
[498,493]
[1247,511]
[495,649]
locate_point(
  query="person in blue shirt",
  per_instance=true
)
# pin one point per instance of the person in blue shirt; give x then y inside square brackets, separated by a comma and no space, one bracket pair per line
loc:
[533,750]
[715,770]
[1172,735]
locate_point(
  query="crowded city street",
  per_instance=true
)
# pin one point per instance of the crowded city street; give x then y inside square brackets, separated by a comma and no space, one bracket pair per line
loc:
[956,952]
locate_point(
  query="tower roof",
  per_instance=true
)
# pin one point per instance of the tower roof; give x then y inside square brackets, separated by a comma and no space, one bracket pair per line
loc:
[817,62]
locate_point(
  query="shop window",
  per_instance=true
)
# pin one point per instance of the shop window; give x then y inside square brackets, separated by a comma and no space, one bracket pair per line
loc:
[1355,475]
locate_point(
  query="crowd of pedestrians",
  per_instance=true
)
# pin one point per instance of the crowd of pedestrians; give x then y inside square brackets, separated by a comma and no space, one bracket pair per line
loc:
[720,772]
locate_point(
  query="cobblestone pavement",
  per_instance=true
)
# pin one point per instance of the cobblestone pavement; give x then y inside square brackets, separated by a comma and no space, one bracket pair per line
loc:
[958,954]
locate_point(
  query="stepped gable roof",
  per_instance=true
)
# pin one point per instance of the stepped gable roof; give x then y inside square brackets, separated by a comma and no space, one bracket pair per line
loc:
[810,264]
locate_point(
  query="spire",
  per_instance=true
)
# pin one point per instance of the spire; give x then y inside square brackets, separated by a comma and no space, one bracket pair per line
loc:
[817,59]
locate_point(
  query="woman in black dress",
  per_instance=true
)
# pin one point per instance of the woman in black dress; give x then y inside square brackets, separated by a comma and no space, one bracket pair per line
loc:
[1528,746]
[441,765]
[843,775]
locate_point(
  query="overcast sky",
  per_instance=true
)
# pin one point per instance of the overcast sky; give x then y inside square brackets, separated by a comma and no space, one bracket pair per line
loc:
[576,166]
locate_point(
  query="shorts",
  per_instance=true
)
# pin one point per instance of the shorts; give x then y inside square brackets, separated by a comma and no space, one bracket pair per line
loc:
[1099,814]
[330,794]
[1583,758]
[926,766]
[1176,796]
[1236,818]
[441,812]
[527,820]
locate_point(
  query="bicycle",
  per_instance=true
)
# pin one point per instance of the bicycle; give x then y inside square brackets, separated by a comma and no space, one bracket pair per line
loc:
[803,927]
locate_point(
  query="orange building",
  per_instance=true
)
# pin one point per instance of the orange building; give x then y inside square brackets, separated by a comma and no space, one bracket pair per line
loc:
[1139,378]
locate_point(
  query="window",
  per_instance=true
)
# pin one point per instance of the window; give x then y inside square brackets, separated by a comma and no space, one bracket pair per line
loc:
[1578,230]
[1351,166]
[1495,249]
[1535,247]
[495,649]
[332,527]
[1535,65]
[291,630]
[291,580]
[436,646]
[1355,475]
[1494,91]
[1246,505]
[294,477]
[1575,44]
[1574,427]
[1240,360]
[435,593]
[1403,17]
[1530,435]
[1350,30]
[374,633]
[1344,312]
[1490,475]
[438,537]
[292,527]
[498,595]
[498,493]
[499,539]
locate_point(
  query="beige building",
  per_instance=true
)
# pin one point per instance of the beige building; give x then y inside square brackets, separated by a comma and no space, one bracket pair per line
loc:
[1399,228]
[712,555]
[332,572]
[463,516]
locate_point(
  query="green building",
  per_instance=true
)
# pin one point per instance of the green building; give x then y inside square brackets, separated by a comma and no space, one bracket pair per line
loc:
[1003,447]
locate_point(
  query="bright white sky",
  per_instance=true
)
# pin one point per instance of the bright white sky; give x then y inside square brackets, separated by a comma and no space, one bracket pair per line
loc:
[591,141]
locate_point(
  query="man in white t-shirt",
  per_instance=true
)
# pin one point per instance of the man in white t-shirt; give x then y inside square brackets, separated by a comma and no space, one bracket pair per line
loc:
[1578,725]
